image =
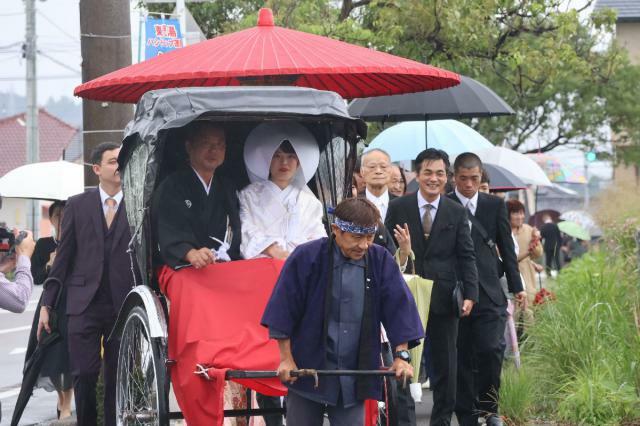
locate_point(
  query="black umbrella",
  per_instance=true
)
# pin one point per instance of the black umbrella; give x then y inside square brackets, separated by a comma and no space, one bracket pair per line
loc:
[502,179]
[33,366]
[467,100]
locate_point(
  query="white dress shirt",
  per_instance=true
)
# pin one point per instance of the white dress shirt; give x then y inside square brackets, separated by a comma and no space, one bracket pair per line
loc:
[470,203]
[381,202]
[104,196]
[422,205]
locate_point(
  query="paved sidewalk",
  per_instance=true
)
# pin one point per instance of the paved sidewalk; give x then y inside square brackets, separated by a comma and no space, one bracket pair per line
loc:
[423,410]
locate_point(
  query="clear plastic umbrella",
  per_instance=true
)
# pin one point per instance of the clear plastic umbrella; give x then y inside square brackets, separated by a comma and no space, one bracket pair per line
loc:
[583,219]
[517,163]
[406,140]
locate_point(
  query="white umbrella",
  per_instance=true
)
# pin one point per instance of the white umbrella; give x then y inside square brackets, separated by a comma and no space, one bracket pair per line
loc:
[517,163]
[51,180]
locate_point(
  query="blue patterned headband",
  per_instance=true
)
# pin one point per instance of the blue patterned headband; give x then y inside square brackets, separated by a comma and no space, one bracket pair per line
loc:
[354,228]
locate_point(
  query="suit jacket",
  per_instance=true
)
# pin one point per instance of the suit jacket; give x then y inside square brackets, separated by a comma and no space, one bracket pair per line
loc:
[384,235]
[80,259]
[491,212]
[44,247]
[447,256]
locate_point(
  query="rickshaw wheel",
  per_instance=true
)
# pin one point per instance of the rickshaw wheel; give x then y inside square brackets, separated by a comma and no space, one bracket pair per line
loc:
[388,407]
[141,387]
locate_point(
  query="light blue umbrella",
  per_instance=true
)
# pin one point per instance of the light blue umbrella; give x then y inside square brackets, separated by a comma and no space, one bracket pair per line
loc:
[406,140]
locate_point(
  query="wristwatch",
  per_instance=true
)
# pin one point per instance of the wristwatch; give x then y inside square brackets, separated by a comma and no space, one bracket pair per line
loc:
[403,355]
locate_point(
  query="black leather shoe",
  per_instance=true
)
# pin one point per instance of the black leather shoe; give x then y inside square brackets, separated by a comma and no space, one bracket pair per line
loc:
[494,420]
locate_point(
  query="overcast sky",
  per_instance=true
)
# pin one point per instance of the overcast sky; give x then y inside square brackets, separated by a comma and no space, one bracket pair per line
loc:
[58,30]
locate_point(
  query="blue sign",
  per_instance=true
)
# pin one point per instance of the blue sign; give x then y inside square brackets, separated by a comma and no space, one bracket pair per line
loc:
[162,36]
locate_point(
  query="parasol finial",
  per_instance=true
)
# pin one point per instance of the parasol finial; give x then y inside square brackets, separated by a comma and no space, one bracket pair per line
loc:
[265,17]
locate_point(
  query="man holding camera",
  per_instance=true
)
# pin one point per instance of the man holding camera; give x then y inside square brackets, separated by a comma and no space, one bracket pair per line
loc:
[15,295]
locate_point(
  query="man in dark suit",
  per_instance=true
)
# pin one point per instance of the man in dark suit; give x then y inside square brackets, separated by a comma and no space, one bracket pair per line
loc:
[480,347]
[93,265]
[441,240]
[375,169]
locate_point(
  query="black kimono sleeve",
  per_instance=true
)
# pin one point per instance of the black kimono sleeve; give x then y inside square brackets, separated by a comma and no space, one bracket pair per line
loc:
[173,218]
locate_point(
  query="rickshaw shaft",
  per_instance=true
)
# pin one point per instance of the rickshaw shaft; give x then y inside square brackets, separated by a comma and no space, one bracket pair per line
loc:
[243,374]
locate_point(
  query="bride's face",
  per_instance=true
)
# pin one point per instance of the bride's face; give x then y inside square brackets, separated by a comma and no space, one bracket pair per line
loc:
[283,166]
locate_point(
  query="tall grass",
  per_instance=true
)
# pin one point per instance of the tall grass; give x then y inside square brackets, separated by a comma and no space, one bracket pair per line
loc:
[581,359]
[584,349]
[517,395]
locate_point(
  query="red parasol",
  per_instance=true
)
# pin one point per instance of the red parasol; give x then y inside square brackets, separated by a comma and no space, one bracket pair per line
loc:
[271,55]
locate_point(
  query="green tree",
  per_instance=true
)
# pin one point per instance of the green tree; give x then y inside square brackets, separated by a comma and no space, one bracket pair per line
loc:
[557,67]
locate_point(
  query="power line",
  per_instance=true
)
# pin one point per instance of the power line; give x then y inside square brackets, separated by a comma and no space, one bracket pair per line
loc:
[44,77]
[62,30]
[14,44]
[54,60]
[2,15]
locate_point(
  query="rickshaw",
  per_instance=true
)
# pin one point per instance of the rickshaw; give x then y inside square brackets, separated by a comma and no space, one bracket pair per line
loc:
[152,148]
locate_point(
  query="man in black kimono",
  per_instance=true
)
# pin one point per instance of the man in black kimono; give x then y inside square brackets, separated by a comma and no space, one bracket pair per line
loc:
[196,211]
[326,310]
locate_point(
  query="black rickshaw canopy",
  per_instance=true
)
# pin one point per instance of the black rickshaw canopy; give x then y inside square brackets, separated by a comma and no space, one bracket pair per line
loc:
[153,144]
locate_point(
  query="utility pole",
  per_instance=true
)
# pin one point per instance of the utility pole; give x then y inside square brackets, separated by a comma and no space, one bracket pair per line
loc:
[33,154]
[182,17]
[105,34]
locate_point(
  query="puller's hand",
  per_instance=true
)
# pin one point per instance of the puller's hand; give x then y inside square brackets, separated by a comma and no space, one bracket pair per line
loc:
[284,370]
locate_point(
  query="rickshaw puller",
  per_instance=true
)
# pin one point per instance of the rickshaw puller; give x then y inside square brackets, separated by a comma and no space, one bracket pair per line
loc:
[332,320]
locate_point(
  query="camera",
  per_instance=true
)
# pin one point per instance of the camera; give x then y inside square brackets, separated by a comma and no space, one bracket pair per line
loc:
[8,241]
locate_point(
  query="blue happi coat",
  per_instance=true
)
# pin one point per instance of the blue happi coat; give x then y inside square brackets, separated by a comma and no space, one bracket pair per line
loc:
[297,308]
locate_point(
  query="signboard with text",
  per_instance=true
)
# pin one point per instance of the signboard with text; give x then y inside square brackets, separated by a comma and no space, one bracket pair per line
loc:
[162,36]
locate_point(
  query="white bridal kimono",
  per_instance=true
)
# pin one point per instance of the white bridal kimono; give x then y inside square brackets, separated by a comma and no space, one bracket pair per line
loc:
[270,215]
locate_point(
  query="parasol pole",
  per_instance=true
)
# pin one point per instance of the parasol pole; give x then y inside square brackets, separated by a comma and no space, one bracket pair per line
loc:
[426,132]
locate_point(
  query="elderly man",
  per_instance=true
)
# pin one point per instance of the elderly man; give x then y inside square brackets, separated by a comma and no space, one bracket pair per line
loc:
[196,211]
[326,310]
[375,169]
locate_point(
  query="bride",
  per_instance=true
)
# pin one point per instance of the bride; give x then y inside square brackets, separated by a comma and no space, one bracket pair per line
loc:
[277,210]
